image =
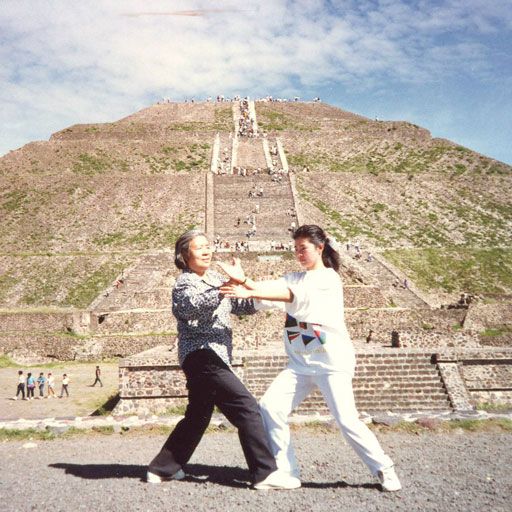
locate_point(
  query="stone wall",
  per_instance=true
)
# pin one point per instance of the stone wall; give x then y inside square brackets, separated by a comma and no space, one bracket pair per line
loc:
[153,381]
[114,332]
[482,316]
[384,380]
[78,348]
[480,375]
[381,320]
[425,328]
[363,297]
[118,322]
[38,321]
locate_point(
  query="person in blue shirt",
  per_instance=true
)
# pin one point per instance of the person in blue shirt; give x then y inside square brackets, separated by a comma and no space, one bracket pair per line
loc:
[31,384]
[41,382]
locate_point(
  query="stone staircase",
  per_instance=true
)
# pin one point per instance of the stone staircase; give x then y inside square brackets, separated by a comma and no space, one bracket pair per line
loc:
[399,380]
[232,202]
[146,285]
[384,380]
[374,272]
[251,154]
[231,192]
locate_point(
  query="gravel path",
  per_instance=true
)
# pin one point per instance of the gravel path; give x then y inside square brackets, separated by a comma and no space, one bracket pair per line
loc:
[458,471]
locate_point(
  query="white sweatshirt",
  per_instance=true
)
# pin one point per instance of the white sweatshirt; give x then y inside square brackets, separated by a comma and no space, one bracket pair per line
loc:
[315,336]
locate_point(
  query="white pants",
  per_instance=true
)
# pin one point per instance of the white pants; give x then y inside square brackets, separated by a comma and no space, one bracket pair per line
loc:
[289,389]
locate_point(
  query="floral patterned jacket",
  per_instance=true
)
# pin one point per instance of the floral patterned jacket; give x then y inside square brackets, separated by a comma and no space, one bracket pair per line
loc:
[204,315]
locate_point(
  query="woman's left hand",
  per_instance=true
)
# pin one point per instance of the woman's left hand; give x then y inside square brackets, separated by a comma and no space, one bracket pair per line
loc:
[234,271]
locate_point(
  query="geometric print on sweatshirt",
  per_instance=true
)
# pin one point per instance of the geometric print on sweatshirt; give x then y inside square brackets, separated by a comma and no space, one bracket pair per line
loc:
[306,331]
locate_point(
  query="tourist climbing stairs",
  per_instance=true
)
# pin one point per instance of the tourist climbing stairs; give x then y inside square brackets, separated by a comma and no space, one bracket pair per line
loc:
[234,210]
[248,196]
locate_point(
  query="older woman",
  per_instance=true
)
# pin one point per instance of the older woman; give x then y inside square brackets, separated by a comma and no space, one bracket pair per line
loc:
[204,352]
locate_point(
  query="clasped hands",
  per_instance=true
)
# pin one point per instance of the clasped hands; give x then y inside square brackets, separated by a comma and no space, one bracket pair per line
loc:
[234,288]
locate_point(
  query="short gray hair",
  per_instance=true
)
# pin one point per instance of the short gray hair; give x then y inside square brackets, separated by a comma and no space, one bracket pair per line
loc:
[182,247]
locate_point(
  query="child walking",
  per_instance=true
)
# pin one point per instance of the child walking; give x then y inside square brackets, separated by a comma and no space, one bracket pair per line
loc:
[319,349]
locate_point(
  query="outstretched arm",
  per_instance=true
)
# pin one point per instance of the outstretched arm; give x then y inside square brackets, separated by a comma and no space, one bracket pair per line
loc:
[279,294]
[236,274]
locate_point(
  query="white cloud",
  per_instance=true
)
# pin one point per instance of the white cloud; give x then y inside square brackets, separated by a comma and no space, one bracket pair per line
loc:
[86,61]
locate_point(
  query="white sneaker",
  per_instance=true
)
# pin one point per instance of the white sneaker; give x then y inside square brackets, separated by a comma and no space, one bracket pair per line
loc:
[278,480]
[15,398]
[388,480]
[152,478]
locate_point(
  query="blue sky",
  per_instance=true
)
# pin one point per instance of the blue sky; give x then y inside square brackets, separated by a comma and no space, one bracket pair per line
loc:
[444,65]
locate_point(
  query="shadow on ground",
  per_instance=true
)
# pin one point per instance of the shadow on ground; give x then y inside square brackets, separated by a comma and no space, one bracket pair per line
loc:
[228,476]
[222,475]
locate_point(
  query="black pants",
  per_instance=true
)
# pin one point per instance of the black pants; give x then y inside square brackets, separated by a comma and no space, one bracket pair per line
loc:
[21,389]
[210,382]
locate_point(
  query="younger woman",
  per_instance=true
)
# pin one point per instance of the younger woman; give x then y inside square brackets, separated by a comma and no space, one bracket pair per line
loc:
[319,348]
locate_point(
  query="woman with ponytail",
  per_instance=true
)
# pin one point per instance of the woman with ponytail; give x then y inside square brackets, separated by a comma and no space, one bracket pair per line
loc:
[319,348]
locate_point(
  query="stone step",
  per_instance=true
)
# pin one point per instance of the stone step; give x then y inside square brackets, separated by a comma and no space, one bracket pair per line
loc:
[391,372]
[428,392]
[379,406]
[429,398]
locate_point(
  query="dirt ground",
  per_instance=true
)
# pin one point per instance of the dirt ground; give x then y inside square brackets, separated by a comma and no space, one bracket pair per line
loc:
[457,472]
[83,399]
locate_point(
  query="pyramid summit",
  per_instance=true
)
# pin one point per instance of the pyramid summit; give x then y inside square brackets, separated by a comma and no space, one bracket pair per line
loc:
[129,185]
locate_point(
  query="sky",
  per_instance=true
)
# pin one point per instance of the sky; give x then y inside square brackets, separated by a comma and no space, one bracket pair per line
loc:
[443,65]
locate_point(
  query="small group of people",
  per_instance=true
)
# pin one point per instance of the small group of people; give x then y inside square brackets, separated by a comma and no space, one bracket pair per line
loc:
[29,383]
[358,252]
[221,98]
[246,124]
[241,171]
[251,231]
[280,246]
[26,385]
[271,99]
[255,193]
[464,301]
[221,244]
[316,341]
[224,163]
[404,285]
[239,246]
